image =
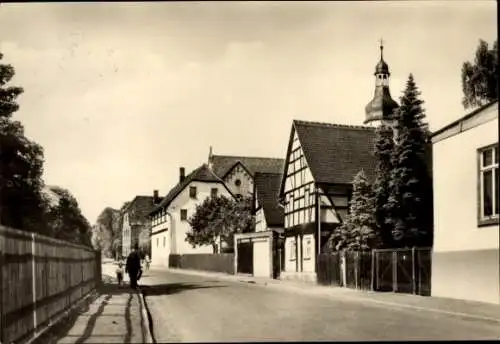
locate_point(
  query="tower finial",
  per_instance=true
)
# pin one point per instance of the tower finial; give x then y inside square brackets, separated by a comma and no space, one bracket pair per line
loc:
[381,49]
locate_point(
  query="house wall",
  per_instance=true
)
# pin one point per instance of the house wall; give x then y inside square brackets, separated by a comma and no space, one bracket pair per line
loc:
[126,235]
[239,173]
[465,261]
[159,250]
[181,227]
[260,221]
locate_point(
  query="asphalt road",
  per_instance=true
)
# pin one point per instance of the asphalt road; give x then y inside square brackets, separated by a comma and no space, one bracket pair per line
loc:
[195,308]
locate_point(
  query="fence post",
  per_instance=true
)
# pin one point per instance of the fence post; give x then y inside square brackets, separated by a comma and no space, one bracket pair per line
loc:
[372,273]
[413,282]
[356,269]
[33,283]
[395,271]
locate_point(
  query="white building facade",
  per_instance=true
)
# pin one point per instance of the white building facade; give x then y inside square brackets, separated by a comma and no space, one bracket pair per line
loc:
[465,262]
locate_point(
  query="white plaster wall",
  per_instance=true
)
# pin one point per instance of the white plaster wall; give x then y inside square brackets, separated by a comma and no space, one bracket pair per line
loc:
[260,221]
[455,183]
[159,254]
[262,258]
[126,236]
[180,228]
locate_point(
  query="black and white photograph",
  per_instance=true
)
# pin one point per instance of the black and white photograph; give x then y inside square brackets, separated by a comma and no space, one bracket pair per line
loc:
[243,171]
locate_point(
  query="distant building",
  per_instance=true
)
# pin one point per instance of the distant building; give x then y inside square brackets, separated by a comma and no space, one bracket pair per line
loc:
[238,172]
[465,261]
[258,252]
[169,219]
[322,160]
[232,176]
[135,218]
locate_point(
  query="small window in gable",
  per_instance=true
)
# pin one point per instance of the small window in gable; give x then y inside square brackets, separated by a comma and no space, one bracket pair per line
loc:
[184,215]
[213,192]
[237,182]
[192,191]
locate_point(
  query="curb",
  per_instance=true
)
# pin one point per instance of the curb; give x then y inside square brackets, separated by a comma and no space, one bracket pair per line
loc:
[146,319]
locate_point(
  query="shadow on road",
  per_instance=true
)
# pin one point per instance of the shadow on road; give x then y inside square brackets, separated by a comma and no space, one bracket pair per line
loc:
[174,288]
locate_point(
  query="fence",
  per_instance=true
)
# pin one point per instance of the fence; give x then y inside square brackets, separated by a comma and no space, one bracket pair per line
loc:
[400,270]
[223,262]
[40,278]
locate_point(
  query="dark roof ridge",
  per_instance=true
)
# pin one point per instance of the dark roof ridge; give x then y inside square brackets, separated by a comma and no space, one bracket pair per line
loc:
[246,157]
[334,125]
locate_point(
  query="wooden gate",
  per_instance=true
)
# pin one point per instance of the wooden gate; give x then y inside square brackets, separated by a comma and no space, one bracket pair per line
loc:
[245,257]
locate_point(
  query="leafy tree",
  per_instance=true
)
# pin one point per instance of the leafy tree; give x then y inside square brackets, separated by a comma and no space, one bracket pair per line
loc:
[358,230]
[21,164]
[66,220]
[217,219]
[480,78]
[107,232]
[409,206]
[384,150]
[145,238]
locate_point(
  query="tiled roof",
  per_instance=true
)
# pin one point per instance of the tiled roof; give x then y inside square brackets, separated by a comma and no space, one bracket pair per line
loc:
[139,208]
[267,186]
[222,164]
[335,153]
[201,174]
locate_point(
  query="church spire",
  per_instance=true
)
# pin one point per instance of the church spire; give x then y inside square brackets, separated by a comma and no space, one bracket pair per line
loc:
[382,105]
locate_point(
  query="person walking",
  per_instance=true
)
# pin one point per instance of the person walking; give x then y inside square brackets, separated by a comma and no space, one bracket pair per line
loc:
[133,266]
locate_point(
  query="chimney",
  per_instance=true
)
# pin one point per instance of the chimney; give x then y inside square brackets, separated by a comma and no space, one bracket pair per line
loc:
[210,154]
[182,174]
[155,197]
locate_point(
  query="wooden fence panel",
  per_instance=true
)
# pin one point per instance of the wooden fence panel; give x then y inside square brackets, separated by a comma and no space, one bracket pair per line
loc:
[40,277]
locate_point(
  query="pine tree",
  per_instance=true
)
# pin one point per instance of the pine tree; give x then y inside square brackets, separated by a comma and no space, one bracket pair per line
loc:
[384,149]
[410,202]
[357,232]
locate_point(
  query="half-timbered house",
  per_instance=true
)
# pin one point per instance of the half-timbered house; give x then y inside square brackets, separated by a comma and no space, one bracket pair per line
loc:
[321,162]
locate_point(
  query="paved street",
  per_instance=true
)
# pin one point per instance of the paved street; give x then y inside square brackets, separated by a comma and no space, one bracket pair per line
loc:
[197,308]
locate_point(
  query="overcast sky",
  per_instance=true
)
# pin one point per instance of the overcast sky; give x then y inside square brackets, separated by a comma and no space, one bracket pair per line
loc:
[121,95]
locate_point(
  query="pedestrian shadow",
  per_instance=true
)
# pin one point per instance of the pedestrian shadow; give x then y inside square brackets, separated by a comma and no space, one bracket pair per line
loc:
[174,288]
[105,293]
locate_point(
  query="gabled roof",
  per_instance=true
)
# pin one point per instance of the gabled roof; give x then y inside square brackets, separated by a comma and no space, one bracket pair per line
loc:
[139,208]
[201,174]
[222,164]
[334,152]
[267,187]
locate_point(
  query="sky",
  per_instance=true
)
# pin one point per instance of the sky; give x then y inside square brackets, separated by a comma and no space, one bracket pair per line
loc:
[121,95]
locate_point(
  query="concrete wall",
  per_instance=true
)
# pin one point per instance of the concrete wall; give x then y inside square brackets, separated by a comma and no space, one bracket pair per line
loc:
[465,256]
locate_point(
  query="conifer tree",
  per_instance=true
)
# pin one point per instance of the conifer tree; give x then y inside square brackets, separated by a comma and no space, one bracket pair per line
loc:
[384,149]
[357,232]
[410,201]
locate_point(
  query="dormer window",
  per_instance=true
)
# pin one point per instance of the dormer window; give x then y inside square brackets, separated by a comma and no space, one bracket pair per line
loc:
[237,182]
[192,192]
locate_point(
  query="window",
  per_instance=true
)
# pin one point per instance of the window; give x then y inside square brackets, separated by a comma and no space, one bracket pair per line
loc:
[192,191]
[293,249]
[184,214]
[157,242]
[164,241]
[213,192]
[308,248]
[488,185]
[237,182]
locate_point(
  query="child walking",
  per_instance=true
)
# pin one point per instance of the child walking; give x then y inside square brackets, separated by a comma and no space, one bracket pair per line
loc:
[119,273]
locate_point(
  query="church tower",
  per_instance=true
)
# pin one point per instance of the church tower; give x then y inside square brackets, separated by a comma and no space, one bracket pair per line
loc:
[381,108]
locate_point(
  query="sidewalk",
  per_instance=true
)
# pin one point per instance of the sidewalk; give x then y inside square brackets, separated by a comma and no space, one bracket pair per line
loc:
[115,315]
[453,307]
